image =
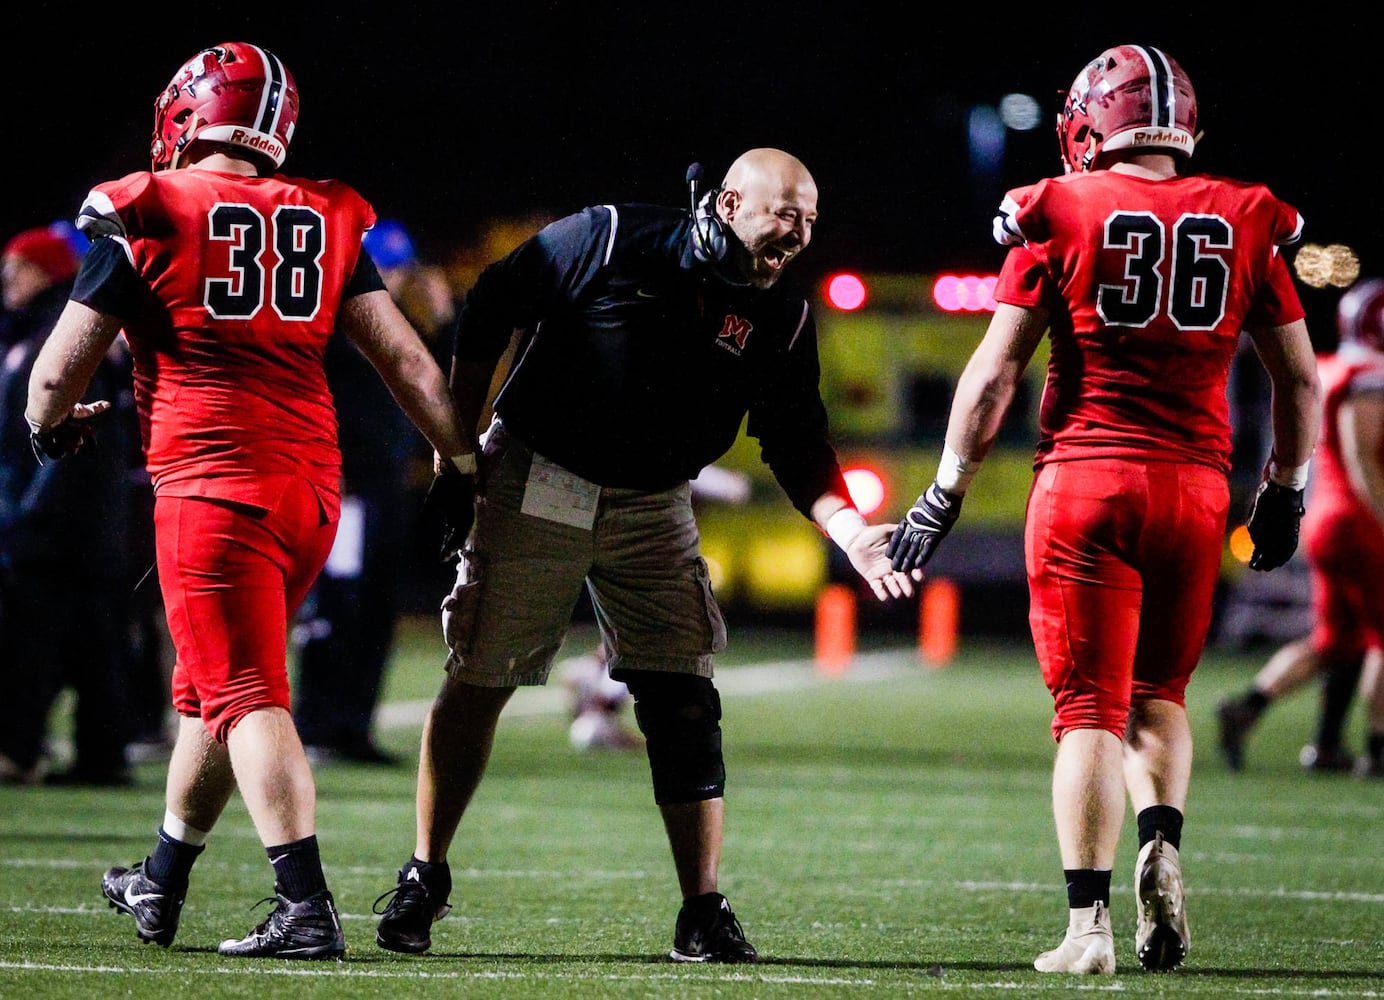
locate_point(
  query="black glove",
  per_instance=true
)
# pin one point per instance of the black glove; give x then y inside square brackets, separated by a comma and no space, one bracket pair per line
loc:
[450,506]
[923,527]
[1273,525]
[65,439]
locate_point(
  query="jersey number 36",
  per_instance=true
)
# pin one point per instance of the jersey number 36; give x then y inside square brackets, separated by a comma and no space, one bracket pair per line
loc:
[1199,275]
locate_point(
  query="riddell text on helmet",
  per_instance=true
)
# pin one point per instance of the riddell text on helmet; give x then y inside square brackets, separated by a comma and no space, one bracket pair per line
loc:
[1160,137]
[240,137]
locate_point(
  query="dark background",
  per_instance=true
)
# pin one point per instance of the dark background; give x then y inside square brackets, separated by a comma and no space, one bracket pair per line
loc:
[445,115]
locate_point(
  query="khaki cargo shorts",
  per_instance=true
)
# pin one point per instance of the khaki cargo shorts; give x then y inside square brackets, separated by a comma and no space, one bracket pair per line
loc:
[541,535]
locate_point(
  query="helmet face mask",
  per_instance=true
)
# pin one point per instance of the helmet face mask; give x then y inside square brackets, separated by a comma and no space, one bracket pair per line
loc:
[1360,315]
[1130,97]
[233,93]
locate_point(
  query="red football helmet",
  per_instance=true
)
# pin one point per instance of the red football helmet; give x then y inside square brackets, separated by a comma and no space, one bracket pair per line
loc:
[1129,97]
[1360,314]
[235,93]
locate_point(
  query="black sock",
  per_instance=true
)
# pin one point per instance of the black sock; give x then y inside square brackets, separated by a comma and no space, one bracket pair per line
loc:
[1256,701]
[703,907]
[436,875]
[1338,690]
[297,869]
[1161,819]
[171,863]
[1087,886]
[1375,746]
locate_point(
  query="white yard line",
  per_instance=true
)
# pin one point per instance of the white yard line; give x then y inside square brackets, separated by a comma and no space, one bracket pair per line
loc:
[701,978]
[764,678]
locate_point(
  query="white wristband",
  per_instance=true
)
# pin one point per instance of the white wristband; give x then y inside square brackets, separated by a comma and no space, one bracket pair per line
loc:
[1292,476]
[954,472]
[844,525]
[466,464]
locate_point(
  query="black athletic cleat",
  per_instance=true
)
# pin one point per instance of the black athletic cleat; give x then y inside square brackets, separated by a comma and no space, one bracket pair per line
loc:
[155,909]
[1325,760]
[1236,720]
[707,931]
[310,929]
[1369,766]
[406,922]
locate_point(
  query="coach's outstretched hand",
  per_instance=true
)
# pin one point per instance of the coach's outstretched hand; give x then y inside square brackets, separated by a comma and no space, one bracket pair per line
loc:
[450,507]
[925,525]
[869,557]
[1273,525]
[67,437]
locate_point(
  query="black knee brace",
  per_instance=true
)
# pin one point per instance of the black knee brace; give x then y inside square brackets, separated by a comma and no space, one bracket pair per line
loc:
[680,717]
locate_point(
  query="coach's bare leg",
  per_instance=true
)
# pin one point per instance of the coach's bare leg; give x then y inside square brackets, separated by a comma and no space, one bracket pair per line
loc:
[1088,798]
[457,738]
[1158,755]
[200,780]
[274,776]
[694,834]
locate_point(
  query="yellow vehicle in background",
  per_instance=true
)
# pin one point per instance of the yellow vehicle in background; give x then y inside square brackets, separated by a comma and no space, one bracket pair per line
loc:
[892,347]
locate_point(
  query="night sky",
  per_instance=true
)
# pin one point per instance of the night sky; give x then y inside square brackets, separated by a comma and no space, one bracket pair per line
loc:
[443,117]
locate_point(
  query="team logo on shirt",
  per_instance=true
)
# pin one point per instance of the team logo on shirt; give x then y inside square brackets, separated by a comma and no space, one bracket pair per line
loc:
[734,332]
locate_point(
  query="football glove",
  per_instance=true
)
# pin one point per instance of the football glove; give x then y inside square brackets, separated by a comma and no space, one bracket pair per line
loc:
[65,439]
[923,528]
[1274,519]
[450,505]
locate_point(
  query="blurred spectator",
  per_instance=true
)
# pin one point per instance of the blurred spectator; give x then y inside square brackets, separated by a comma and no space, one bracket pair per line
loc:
[1291,668]
[597,703]
[64,543]
[422,290]
[347,626]
[149,646]
[1343,533]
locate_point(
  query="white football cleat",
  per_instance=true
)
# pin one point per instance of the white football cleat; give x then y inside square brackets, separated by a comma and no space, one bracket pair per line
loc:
[1161,938]
[1088,948]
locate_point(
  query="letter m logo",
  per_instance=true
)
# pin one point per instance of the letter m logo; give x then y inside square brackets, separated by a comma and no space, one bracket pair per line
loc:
[737,329]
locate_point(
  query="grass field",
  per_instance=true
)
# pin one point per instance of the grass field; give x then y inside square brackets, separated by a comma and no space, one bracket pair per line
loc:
[889,834]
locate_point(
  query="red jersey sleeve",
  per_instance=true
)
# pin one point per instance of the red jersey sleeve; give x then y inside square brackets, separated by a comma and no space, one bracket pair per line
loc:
[1023,280]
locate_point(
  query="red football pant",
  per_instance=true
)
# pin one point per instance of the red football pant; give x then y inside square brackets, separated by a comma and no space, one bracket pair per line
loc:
[1346,553]
[1122,560]
[232,577]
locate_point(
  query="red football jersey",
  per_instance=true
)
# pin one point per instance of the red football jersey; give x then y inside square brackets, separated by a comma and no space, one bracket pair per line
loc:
[1352,370]
[245,276]
[1149,284]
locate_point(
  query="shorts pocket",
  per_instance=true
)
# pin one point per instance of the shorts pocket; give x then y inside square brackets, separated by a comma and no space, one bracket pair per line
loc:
[459,608]
[713,610]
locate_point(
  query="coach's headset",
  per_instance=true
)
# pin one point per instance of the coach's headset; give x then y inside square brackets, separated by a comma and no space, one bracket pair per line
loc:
[709,243]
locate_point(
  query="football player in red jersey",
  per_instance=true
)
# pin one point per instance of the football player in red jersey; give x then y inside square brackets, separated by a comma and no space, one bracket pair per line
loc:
[1143,278]
[1343,538]
[227,279]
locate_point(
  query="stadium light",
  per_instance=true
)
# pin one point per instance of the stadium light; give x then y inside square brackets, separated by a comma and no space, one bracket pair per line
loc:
[846,291]
[1021,112]
[866,489]
[965,293]
[1241,545]
[1334,264]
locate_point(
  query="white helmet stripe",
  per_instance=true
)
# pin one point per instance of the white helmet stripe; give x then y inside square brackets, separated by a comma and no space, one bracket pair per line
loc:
[1160,85]
[271,99]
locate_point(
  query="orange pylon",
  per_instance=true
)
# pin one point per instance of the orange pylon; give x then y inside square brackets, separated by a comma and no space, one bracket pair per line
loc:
[835,628]
[939,621]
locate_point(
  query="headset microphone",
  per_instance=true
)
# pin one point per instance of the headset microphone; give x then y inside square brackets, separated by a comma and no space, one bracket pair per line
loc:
[708,238]
[694,177]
